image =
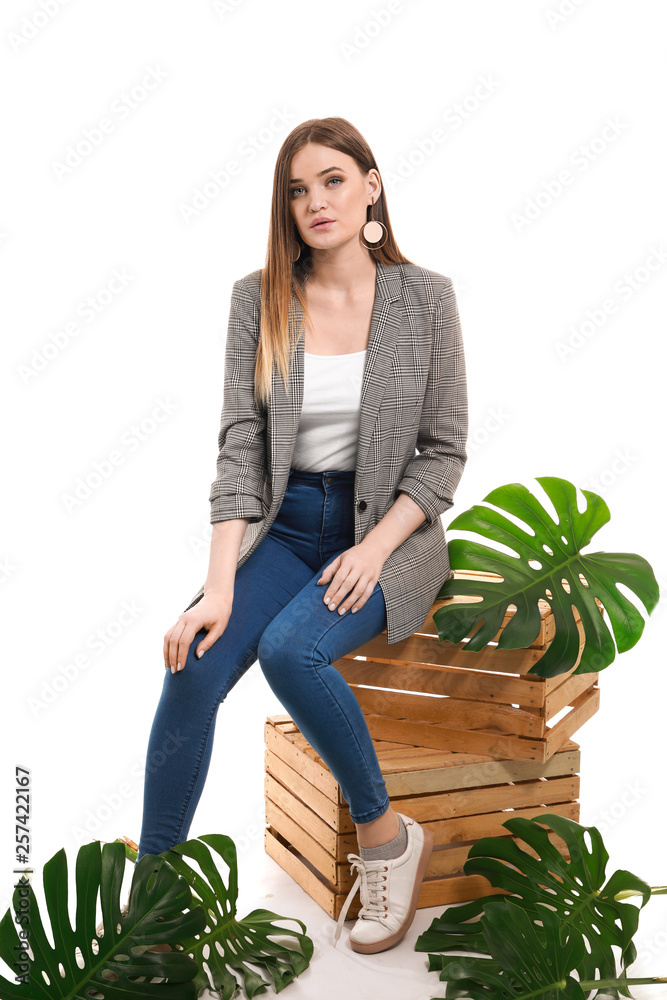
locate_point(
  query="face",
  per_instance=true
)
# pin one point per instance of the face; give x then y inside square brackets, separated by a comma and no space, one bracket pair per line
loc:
[327,183]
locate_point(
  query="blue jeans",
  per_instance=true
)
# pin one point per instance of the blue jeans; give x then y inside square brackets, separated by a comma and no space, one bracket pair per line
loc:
[279,618]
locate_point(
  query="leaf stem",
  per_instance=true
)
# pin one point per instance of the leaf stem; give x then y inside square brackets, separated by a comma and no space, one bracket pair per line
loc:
[656,890]
[600,984]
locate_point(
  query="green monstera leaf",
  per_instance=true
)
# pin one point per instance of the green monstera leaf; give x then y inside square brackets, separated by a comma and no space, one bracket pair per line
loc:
[83,964]
[575,890]
[532,955]
[227,945]
[530,961]
[549,565]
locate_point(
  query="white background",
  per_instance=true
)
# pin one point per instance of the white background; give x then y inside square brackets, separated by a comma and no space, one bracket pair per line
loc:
[520,94]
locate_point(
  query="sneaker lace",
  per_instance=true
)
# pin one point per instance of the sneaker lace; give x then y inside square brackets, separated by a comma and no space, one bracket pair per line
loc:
[372,880]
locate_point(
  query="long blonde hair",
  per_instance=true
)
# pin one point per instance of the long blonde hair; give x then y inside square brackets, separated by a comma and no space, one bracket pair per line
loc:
[282,279]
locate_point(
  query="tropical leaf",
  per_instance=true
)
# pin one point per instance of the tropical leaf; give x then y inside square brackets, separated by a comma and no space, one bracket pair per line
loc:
[575,890]
[531,961]
[227,945]
[85,965]
[561,575]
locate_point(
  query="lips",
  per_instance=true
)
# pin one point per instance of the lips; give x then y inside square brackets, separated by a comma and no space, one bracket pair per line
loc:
[319,223]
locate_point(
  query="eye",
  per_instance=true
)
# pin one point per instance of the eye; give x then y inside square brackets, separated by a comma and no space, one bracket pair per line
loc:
[294,190]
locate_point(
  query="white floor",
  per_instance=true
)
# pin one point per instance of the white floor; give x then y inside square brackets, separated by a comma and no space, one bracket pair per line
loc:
[400,972]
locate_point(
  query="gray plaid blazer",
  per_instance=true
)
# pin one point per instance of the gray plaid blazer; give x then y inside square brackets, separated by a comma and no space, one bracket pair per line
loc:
[413,396]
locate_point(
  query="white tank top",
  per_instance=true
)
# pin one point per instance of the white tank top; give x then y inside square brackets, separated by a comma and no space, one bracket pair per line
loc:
[328,433]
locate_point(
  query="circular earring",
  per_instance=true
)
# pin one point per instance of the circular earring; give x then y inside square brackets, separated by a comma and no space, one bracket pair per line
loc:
[373,231]
[298,246]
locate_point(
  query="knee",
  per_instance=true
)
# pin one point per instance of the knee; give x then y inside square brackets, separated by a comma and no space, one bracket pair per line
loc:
[270,651]
[279,651]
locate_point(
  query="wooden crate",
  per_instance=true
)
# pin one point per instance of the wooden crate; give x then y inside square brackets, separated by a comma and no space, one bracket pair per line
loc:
[427,693]
[459,796]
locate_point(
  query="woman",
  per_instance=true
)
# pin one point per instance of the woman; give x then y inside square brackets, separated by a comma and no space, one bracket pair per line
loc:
[326,523]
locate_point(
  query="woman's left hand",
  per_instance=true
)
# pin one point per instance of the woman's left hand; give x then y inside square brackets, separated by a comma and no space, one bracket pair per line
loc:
[353,575]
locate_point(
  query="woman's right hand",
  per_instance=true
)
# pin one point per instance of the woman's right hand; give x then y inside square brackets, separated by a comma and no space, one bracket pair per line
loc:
[212,612]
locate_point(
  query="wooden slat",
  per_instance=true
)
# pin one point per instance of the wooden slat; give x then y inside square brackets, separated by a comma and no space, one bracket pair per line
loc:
[475,775]
[306,822]
[583,708]
[317,774]
[488,747]
[564,695]
[334,815]
[469,803]
[450,861]
[456,889]
[277,848]
[323,859]
[429,734]
[420,649]
[457,682]
[454,712]
[435,891]
[419,771]
[453,817]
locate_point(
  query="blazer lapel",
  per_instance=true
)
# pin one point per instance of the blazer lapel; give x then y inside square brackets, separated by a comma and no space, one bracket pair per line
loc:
[285,410]
[385,328]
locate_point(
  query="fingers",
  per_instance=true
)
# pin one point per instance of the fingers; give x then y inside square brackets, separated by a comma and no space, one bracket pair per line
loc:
[350,596]
[356,599]
[329,570]
[206,643]
[177,644]
[178,639]
[343,580]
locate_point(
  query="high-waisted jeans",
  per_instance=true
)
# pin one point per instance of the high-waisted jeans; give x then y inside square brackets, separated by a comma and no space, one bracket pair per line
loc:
[279,618]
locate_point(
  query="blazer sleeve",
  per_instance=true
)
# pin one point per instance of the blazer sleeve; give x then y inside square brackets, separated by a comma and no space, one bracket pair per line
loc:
[241,464]
[431,477]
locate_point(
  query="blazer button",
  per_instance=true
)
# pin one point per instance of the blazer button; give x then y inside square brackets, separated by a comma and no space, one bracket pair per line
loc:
[362,505]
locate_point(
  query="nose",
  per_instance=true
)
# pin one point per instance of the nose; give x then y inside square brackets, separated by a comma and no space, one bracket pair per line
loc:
[317,201]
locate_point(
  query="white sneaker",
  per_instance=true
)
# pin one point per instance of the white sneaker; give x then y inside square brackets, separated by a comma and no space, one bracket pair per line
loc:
[389,892]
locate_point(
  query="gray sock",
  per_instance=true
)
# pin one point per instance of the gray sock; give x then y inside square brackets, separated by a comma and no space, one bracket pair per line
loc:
[393,849]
